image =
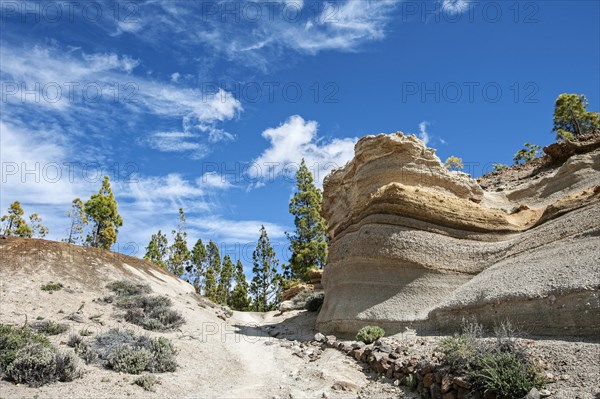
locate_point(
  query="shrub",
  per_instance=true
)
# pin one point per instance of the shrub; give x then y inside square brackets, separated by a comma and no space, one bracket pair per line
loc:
[527,154]
[147,311]
[458,350]
[314,303]
[370,334]
[157,319]
[52,286]
[454,163]
[85,332]
[128,288]
[146,381]
[12,339]
[36,365]
[28,358]
[145,302]
[505,375]
[49,327]
[499,167]
[124,351]
[497,365]
[128,359]
[74,341]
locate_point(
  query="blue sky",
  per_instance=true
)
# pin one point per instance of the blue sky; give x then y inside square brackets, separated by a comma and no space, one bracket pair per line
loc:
[210,105]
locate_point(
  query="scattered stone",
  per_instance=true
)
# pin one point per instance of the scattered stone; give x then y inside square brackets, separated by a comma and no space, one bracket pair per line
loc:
[346,386]
[358,345]
[533,394]
[319,337]
[544,393]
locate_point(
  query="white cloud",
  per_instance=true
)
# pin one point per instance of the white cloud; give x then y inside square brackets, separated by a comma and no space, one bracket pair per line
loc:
[175,77]
[281,26]
[454,7]
[296,139]
[74,78]
[423,135]
[213,180]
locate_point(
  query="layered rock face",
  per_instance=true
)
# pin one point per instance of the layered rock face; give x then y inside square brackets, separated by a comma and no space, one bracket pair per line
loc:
[414,245]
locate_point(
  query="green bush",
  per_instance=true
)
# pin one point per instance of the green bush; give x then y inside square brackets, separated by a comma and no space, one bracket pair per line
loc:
[148,311]
[146,381]
[145,302]
[124,351]
[12,339]
[52,286]
[36,365]
[28,358]
[128,288]
[128,359]
[370,334]
[499,365]
[314,303]
[504,374]
[458,350]
[49,327]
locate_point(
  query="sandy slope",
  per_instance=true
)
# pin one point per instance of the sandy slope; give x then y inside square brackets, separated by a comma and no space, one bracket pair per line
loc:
[217,358]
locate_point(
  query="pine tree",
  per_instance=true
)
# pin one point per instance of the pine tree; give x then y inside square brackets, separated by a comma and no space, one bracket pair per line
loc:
[78,220]
[571,118]
[213,271]
[37,228]
[179,254]
[101,210]
[266,281]
[157,249]
[224,289]
[196,267]
[309,242]
[15,224]
[238,299]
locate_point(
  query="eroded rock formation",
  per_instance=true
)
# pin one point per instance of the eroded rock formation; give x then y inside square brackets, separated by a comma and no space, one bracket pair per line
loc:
[414,245]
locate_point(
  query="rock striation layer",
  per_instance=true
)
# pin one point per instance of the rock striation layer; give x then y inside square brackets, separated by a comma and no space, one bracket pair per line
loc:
[415,245]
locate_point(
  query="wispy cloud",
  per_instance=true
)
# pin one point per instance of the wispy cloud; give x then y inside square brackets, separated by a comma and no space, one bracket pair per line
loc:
[423,135]
[260,32]
[86,90]
[296,139]
[454,7]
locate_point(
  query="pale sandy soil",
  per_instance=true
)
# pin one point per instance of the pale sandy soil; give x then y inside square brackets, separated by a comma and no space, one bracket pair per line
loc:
[218,359]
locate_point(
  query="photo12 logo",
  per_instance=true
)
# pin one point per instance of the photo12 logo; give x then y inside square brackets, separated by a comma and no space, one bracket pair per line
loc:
[469,92]
[53,12]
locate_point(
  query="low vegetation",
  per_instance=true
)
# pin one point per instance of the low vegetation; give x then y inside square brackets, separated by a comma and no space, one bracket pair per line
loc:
[52,287]
[124,288]
[146,381]
[497,365]
[370,334]
[152,312]
[29,358]
[49,327]
[123,351]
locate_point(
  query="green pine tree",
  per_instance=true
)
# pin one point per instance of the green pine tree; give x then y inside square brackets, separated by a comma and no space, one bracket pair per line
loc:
[78,220]
[158,249]
[213,271]
[224,289]
[37,228]
[197,265]
[571,118]
[308,244]
[179,254]
[101,210]
[266,280]
[14,223]
[238,299]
